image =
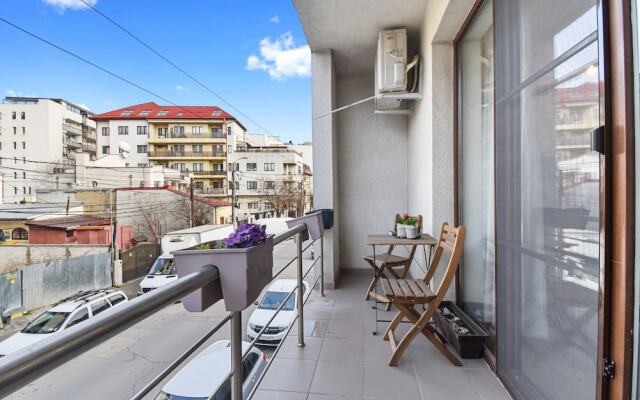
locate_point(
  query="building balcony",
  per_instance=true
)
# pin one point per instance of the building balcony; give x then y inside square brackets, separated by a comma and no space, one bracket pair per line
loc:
[209,191]
[186,154]
[89,147]
[189,137]
[212,173]
[71,130]
[72,144]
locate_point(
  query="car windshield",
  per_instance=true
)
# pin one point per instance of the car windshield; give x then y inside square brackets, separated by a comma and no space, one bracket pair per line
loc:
[167,396]
[272,300]
[46,322]
[163,266]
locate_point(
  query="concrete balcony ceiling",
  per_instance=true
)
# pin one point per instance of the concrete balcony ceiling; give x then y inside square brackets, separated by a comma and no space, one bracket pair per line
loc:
[350,28]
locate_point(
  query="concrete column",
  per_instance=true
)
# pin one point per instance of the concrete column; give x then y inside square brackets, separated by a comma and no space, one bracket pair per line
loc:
[325,156]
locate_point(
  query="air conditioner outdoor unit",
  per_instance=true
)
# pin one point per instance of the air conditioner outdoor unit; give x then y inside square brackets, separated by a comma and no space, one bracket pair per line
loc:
[391,69]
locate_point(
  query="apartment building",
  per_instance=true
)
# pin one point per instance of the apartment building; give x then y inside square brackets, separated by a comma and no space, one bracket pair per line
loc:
[272,179]
[38,136]
[190,139]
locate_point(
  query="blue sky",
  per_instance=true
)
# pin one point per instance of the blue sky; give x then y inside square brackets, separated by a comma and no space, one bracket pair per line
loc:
[252,52]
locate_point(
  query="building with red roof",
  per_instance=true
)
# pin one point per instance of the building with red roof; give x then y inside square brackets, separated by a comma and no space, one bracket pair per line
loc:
[192,139]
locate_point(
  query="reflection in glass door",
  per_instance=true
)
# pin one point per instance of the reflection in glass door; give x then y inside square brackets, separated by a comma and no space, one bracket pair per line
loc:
[547,197]
[476,191]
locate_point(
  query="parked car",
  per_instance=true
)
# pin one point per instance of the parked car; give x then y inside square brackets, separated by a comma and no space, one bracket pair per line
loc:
[63,315]
[207,374]
[267,306]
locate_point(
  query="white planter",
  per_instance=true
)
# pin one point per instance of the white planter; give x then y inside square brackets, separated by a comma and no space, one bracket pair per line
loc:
[400,232]
[411,231]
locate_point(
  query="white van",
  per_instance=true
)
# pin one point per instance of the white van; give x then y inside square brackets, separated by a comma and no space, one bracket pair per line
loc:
[163,270]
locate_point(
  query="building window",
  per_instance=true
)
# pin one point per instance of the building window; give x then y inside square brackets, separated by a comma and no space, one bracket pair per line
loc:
[24,145]
[196,130]
[15,145]
[162,132]
[252,166]
[105,149]
[197,148]
[13,115]
[24,130]
[15,175]
[142,165]
[123,130]
[253,205]
[252,185]
[178,130]
[237,185]
[142,148]
[15,190]
[15,130]
[228,130]
[24,175]
[23,115]
[269,184]
[198,167]
[105,131]
[20,234]
[141,130]
[269,167]
[229,149]
[218,167]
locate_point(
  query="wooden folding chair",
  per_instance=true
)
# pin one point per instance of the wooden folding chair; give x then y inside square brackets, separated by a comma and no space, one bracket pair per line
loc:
[405,294]
[388,262]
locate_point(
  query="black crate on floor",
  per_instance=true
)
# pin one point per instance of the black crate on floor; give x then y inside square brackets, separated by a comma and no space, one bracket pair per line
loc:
[469,345]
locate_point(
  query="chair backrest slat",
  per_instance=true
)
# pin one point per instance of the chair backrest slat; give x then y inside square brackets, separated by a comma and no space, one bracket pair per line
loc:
[452,240]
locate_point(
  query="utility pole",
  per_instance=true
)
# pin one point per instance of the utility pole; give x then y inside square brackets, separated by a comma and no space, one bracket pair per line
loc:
[233,195]
[68,200]
[191,207]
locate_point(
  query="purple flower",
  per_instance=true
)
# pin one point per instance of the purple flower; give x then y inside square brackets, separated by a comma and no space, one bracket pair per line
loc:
[247,235]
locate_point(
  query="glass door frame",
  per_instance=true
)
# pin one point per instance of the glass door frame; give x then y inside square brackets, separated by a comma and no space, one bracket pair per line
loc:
[617,200]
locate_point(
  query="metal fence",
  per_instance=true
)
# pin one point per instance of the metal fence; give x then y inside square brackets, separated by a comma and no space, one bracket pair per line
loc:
[38,285]
[137,260]
[10,291]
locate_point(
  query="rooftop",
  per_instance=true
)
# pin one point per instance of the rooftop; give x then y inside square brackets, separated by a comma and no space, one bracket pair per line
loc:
[152,110]
[69,222]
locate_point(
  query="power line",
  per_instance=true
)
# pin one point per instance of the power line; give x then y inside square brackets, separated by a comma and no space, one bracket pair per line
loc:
[174,65]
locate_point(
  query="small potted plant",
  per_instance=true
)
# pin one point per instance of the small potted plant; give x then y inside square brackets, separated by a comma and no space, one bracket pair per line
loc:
[400,230]
[411,227]
[245,264]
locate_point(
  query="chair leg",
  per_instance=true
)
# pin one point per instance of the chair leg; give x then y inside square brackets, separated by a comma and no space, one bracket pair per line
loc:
[367,297]
[420,325]
[393,325]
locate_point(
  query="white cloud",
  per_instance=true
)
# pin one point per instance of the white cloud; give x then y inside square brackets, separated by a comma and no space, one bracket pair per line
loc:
[62,5]
[275,19]
[180,88]
[281,59]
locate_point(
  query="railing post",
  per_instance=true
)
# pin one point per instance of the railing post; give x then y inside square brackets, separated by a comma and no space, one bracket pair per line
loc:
[322,265]
[300,294]
[236,355]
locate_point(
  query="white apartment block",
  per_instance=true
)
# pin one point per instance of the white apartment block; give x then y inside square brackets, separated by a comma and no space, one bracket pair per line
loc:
[39,136]
[266,169]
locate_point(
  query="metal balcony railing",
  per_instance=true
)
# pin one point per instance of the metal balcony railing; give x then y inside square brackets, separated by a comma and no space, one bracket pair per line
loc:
[187,135]
[23,367]
[189,154]
[211,172]
[210,190]
[70,129]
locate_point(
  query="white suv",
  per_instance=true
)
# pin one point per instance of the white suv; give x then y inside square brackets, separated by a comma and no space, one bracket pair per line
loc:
[64,314]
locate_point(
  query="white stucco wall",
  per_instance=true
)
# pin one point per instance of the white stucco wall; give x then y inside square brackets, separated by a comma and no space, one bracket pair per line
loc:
[372,159]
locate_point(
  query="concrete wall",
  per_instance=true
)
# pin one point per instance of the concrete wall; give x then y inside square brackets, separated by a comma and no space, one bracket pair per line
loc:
[372,159]
[16,256]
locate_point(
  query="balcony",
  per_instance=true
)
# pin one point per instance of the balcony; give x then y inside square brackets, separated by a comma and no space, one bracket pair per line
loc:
[71,129]
[216,173]
[209,191]
[72,144]
[186,154]
[89,147]
[192,137]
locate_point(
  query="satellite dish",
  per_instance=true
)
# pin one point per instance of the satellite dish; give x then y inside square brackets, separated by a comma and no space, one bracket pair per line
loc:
[125,149]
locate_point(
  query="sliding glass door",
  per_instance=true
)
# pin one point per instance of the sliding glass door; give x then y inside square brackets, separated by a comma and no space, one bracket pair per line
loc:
[547,197]
[476,163]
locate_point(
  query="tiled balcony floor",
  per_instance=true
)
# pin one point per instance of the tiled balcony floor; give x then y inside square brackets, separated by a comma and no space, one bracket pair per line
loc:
[343,360]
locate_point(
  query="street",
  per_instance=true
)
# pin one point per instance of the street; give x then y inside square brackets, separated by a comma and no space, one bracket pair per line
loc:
[121,366]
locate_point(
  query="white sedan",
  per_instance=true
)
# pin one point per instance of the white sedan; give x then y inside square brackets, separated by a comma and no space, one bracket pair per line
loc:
[267,306]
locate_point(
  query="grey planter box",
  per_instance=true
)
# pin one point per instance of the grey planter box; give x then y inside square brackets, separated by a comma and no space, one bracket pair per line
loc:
[315,227]
[243,275]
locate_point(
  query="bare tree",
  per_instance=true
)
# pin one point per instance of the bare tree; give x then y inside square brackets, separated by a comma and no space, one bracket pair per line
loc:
[282,196]
[202,211]
[152,219]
